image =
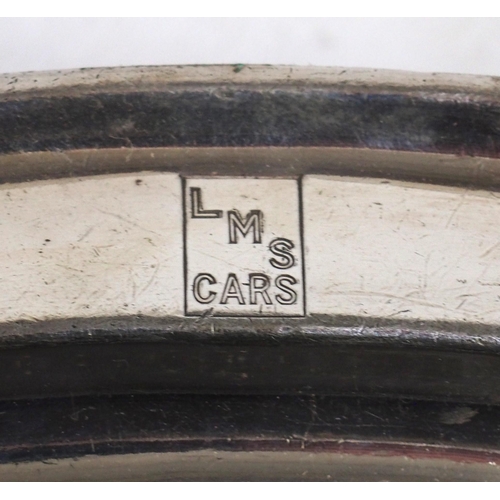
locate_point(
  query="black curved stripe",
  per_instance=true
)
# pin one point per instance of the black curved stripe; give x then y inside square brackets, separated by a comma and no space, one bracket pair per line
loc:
[230,118]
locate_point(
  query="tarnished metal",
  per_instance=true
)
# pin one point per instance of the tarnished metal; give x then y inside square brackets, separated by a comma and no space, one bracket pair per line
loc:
[274,234]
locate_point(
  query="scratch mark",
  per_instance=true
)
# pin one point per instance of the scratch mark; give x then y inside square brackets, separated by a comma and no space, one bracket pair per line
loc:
[153,276]
[86,233]
[373,415]
[491,249]
[399,312]
[69,268]
[206,314]
[457,208]
[123,219]
[134,286]
[225,261]
[392,296]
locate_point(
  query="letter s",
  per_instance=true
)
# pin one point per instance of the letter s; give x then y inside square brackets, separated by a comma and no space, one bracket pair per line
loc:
[283,282]
[281,248]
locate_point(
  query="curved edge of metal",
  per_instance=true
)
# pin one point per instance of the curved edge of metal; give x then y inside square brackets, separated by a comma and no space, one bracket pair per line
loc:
[229,106]
[344,356]
[128,78]
[250,438]
[416,168]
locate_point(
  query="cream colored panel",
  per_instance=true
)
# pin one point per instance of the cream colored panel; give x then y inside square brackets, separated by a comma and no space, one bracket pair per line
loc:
[377,248]
[91,247]
[114,245]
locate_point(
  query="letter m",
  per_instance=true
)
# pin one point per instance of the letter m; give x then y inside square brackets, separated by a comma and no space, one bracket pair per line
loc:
[252,222]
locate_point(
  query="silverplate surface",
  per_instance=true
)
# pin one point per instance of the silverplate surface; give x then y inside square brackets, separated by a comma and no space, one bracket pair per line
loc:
[225,236]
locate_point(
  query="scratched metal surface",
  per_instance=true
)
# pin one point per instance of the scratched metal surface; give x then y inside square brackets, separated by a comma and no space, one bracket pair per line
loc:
[216,438]
[345,245]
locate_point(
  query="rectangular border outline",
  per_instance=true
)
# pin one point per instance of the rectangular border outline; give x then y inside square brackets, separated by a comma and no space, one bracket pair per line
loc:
[298,180]
[184,242]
